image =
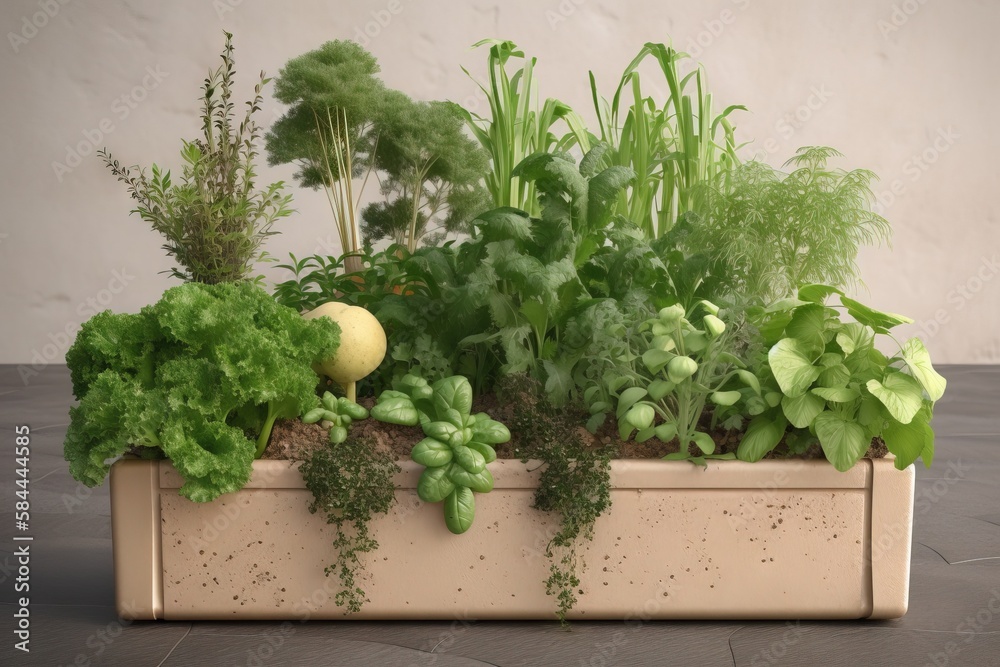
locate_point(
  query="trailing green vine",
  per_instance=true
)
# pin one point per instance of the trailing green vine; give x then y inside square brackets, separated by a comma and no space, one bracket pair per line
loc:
[351,482]
[575,483]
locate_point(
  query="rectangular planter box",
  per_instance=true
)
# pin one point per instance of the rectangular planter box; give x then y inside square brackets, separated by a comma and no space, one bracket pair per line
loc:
[768,540]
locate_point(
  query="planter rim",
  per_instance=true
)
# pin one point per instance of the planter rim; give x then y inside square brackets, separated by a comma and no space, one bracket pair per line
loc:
[625,474]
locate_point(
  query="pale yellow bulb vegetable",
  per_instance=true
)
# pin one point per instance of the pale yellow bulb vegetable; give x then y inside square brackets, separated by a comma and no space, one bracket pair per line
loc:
[362,344]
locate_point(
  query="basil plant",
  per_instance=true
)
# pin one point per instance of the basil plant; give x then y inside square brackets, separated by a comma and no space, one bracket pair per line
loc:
[458,443]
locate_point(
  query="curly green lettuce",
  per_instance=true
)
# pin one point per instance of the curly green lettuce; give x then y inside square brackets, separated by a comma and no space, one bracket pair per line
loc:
[199,378]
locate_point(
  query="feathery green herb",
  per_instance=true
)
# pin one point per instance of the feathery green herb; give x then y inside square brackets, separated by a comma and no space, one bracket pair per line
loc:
[214,220]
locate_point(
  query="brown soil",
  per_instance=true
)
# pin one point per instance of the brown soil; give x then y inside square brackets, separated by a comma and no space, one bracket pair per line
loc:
[292,439]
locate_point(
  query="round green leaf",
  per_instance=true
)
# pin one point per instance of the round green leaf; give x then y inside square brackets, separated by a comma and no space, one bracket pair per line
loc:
[666,431]
[704,442]
[640,416]
[681,368]
[628,398]
[338,434]
[671,314]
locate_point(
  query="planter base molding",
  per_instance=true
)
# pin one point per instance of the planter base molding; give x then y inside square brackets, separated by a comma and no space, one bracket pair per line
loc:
[768,540]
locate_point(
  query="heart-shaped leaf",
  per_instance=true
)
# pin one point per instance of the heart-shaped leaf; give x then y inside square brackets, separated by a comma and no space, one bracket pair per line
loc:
[802,410]
[792,369]
[843,441]
[908,442]
[763,434]
[901,395]
[918,360]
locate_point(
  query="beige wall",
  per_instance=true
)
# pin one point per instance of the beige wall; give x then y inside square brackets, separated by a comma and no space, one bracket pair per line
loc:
[906,88]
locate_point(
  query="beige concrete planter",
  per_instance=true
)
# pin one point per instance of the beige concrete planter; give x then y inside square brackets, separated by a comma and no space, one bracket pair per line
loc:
[769,540]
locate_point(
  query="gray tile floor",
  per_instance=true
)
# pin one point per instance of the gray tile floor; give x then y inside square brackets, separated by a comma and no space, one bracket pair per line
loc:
[954,616]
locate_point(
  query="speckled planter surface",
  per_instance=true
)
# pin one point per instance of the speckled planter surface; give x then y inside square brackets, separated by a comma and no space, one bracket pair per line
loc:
[769,540]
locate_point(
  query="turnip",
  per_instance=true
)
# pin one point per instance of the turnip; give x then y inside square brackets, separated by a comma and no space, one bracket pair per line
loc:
[362,341]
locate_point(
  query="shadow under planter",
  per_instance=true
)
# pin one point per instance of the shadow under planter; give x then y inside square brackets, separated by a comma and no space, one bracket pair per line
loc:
[735,540]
